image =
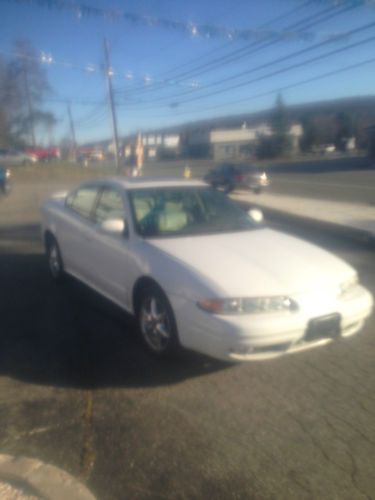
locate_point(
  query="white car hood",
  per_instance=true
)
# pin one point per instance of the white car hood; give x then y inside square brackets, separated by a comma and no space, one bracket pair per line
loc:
[257,263]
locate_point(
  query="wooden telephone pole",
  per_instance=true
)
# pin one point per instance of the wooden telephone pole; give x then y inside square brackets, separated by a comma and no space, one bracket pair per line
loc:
[108,71]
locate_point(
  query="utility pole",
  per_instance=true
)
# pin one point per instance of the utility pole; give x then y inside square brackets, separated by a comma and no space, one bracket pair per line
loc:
[72,130]
[108,71]
[29,104]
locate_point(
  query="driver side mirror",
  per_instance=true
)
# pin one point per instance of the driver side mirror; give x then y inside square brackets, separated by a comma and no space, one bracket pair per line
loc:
[256,215]
[113,226]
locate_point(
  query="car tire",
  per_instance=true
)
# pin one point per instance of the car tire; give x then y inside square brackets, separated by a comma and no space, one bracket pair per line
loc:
[257,190]
[55,262]
[156,323]
[228,188]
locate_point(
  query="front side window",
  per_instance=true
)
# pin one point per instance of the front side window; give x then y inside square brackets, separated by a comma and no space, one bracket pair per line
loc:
[82,201]
[110,206]
[185,212]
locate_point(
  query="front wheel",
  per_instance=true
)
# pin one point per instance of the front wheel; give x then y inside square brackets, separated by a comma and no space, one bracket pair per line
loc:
[156,323]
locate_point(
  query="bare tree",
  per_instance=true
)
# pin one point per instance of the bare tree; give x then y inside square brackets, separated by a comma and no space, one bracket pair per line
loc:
[23,89]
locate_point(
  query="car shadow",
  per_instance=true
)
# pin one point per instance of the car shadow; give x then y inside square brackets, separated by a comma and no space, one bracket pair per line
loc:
[68,336]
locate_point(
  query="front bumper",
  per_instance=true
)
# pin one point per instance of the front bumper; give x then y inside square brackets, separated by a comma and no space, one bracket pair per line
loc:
[265,336]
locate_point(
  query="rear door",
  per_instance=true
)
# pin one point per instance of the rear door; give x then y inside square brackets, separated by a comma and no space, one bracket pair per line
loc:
[75,229]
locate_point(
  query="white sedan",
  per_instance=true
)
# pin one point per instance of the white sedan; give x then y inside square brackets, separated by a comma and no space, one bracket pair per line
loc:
[199,272]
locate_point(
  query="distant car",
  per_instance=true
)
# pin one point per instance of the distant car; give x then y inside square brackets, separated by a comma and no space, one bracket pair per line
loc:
[44,154]
[198,271]
[4,180]
[329,148]
[90,155]
[10,157]
[231,176]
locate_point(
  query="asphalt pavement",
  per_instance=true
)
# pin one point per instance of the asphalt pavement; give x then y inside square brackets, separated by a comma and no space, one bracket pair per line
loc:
[78,391]
[356,186]
[342,179]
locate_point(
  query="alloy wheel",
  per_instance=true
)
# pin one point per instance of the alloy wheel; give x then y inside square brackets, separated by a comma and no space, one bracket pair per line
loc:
[155,323]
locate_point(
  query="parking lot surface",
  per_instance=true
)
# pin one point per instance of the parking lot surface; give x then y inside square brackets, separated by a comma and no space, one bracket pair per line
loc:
[78,391]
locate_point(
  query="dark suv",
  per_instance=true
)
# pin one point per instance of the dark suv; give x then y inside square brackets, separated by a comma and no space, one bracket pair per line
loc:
[230,176]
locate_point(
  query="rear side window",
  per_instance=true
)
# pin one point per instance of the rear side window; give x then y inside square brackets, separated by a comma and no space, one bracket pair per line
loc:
[226,169]
[82,201]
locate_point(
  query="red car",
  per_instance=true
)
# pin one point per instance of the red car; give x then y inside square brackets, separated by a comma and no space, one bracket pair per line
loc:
[44,154]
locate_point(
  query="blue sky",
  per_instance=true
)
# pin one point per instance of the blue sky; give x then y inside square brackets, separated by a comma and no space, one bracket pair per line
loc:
[158,54]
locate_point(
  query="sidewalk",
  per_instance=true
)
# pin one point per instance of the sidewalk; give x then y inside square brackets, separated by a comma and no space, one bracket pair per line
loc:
[356,217]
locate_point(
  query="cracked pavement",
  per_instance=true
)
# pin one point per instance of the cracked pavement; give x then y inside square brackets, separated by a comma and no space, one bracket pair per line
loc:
[78,391]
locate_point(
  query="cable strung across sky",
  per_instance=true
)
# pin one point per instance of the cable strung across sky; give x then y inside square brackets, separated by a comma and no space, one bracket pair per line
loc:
[166,100]
[251,48]
[83,11]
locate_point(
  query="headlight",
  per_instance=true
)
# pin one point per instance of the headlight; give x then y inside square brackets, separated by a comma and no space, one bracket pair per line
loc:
[263,176]
[251,305]
[346,286]
[7,173]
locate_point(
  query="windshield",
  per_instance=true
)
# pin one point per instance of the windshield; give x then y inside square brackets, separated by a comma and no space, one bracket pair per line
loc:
[186,212]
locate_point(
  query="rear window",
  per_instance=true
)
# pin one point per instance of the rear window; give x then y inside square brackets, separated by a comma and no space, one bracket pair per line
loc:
[249,169]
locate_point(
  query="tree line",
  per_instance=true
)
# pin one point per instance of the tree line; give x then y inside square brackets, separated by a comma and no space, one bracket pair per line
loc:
[23,89]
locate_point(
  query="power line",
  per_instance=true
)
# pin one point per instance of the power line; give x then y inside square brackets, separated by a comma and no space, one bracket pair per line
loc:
[92,115]
[285,58]
[79,102]
[228,44]
[84,11]
[245,51]
[278,89]
[95,121]
[282,70]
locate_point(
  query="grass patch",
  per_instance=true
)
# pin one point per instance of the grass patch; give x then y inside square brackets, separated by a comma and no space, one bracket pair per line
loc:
[60,170]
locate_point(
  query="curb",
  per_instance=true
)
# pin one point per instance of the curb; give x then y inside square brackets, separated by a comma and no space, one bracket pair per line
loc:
[32,477]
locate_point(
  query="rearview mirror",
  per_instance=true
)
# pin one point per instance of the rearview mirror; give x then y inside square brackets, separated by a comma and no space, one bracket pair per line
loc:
[113,226]
[256,215]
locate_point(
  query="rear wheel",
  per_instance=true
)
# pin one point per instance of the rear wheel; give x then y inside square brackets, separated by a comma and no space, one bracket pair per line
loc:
[156,322]
[55,263]
[257,190]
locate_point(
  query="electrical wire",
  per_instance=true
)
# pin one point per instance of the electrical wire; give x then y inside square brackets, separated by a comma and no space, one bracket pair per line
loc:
[273,73]
[257,45]
[273,91]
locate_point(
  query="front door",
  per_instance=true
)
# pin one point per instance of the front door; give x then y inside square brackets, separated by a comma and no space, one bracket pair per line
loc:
[108,253]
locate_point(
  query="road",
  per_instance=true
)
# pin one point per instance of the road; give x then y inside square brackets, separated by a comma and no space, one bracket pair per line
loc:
[338,179]
[354,186]
[78,391]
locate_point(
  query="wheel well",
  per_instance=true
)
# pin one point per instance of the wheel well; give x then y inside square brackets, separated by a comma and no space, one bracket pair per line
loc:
[140,285]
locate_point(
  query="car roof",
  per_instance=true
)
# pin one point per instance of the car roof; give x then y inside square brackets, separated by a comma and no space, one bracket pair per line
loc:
[130,183]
